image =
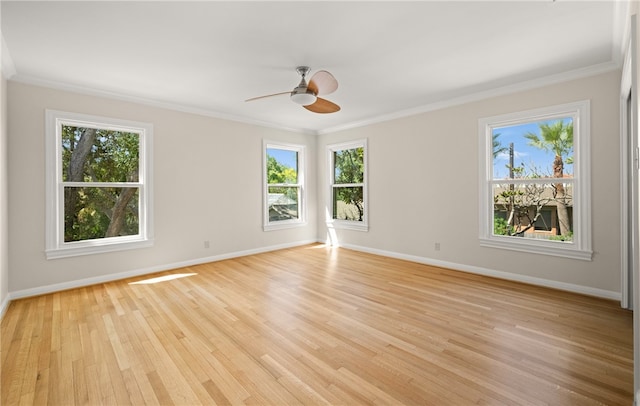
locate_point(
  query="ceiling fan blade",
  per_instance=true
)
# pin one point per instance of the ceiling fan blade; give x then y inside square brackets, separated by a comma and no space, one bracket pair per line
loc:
[268,95]
[322,82]
[323,106]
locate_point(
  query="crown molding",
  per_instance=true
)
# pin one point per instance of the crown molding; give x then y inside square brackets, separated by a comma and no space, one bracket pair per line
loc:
[482,95]
[35,81]
[456,101]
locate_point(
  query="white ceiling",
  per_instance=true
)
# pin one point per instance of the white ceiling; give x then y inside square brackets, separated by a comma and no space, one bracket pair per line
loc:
[390,58]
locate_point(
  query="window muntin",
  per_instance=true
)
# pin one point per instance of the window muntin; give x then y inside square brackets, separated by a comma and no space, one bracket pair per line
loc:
[348,185]
[283,172]
[535,181]
[98,184]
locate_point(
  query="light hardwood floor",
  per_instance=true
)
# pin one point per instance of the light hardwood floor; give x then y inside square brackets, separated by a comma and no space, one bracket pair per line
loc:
[316,325]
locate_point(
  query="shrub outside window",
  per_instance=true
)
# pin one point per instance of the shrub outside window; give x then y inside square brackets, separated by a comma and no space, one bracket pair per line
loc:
[283,173]
[348,166]
[535,181]
[98,184]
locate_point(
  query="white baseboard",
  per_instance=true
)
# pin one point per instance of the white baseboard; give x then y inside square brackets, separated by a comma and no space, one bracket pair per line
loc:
[585,290]
[42,290]
[4,306]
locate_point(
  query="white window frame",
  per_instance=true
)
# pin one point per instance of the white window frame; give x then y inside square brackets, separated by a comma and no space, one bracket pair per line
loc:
[580,247]
[56,247]
[302,199]
[348,224]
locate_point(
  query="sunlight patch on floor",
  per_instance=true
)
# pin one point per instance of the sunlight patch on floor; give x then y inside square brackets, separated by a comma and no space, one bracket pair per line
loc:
[162,278]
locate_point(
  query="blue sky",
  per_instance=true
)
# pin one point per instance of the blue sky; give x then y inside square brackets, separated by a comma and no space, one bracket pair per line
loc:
[283,156]
[523,152]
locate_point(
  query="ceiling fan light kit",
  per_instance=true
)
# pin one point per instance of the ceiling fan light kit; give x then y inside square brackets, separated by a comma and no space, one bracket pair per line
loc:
[306,95]
[303,96]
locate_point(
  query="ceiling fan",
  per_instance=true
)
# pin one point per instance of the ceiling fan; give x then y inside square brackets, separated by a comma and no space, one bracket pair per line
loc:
[321,83]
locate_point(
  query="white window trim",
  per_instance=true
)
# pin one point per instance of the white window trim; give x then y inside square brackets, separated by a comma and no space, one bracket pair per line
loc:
[348,224]
[56,247]
[302,198]
[580,247]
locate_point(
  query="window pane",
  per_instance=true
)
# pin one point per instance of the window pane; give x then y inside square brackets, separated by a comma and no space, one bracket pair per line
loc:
[540,149]
[534,211]
[282,166]
[96,155]
[348,203]
[349,165]
[283,203]
[94,212]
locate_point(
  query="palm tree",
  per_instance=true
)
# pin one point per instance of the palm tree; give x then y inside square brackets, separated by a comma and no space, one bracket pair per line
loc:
[556,137]
[497,146]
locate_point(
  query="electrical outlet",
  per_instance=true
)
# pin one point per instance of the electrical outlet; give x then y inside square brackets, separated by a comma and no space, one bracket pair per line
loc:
[206,243]
[437,246]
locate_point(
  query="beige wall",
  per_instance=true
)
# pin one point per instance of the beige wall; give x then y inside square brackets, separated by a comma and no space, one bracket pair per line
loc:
[207,186]
[423,187]
[4,215]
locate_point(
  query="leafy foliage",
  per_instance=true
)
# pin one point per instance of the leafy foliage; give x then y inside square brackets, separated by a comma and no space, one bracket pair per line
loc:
[501,227]
[349,170]
[279,173]
[556,137]
[497,145]
[97,156]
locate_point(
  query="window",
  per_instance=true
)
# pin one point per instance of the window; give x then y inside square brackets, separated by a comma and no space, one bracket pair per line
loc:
[535,181]
[348,166]
[98,184]
[283,171]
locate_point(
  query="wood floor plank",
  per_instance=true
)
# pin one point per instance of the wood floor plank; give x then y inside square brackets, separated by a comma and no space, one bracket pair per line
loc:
[316,325]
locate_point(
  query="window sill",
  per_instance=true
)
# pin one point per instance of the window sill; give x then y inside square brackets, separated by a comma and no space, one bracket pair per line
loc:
[554,248]
[95,247]
[348,225]
[283,225]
